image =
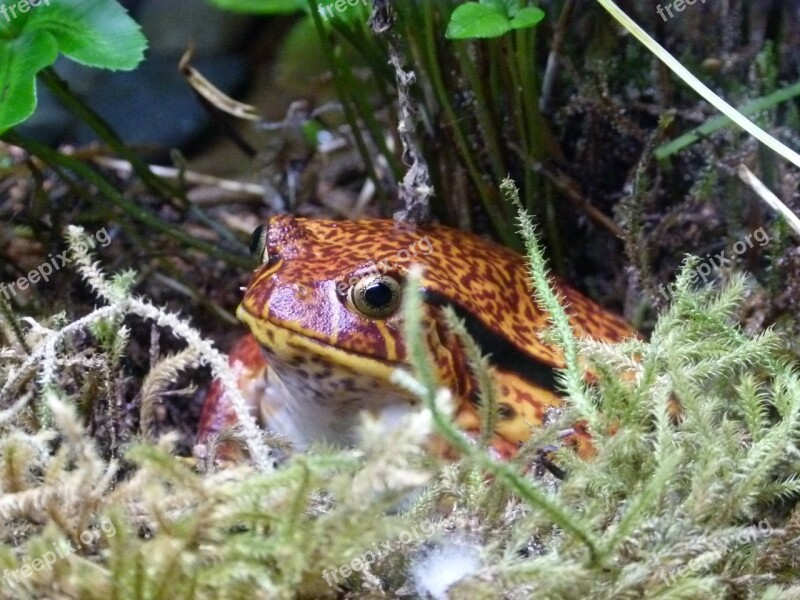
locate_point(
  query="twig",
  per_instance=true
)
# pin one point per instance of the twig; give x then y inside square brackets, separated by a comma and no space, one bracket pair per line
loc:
[554,58]
[568,187]
[229,185]
[720,121]
[767,196]
[132,209]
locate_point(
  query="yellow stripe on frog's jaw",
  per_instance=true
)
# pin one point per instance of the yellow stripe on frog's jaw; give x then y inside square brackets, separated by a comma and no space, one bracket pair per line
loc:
[282,340]
[391,344]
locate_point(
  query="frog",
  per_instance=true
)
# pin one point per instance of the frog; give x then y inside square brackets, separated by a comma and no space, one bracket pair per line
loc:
[323,309]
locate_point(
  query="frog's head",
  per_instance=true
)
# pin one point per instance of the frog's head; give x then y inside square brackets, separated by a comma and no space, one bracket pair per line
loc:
[332,288]
[324,304]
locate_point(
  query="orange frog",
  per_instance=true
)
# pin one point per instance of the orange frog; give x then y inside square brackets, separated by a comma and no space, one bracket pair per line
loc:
[326,331]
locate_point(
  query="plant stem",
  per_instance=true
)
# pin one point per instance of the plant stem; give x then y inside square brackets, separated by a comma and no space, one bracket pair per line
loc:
[362,104]
[482,113]
[344,97]
[720,121]
[76,106]
[489,201]
[88,174]
[106,133]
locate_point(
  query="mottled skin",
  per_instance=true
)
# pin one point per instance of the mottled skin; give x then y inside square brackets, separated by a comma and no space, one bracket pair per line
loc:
[328,361]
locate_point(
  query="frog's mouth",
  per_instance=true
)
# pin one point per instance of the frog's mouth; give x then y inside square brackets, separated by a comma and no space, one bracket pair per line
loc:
[284,341]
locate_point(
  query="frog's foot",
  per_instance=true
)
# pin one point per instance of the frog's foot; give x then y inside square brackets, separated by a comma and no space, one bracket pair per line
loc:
[218,416]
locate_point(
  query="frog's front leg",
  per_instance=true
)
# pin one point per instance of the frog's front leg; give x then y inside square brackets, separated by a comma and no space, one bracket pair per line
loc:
[250,368]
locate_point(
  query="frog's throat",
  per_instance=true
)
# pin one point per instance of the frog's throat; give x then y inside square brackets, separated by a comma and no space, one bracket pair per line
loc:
[282,340]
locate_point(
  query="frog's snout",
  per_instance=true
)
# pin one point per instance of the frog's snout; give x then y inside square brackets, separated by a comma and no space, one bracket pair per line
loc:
[241,312]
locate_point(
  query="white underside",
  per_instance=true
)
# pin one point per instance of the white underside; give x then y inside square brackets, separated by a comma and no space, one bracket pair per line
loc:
[304,420]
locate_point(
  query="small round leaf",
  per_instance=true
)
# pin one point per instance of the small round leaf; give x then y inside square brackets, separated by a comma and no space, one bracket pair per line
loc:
[473,20]
[527,17]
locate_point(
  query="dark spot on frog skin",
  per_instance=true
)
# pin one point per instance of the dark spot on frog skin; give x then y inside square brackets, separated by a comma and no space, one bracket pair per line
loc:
[506,411]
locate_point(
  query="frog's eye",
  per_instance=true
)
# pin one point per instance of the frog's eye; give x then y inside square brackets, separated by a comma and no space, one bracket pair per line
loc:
[258,245]
[376,296]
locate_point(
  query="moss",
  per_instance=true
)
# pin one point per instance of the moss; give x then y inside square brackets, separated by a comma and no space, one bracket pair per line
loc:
[691,492]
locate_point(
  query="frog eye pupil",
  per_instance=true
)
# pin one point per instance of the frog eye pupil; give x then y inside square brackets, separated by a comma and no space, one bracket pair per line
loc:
[379,295]
[258,244]
[376,297]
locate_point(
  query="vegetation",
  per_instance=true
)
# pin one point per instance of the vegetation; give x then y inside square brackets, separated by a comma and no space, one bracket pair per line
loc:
[688,503]
[693,490]
[96,33]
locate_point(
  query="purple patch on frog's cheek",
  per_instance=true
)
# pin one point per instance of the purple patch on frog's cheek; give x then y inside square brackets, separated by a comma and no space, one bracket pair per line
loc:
[298,306]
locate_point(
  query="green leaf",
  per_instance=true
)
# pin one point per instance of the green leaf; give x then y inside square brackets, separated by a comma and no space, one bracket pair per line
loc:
[527,17]
[20,60]
[473,20]
[262,7]
[507,8]
[96,33]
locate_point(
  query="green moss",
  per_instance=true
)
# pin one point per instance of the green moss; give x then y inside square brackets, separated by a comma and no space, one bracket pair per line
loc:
[694,502]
